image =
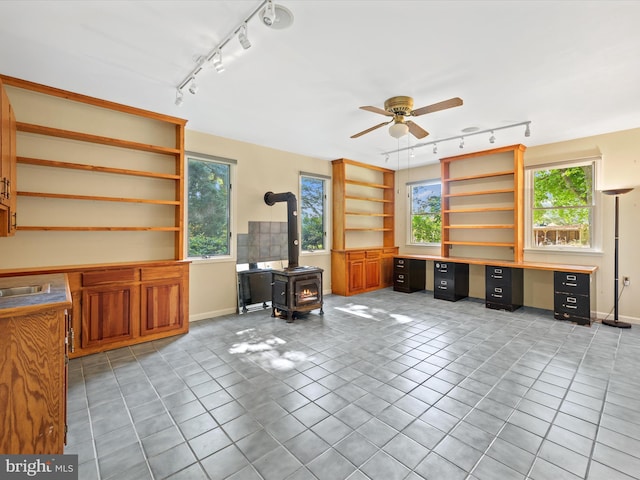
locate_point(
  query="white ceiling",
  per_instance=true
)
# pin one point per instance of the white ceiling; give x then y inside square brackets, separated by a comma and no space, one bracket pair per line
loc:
[570,67]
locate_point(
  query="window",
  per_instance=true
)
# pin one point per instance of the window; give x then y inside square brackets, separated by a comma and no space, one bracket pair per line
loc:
[561,200]
[425,218]
[209,206]
[313,202]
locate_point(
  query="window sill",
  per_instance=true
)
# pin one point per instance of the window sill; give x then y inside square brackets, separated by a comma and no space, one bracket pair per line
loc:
[212,259]
[587,252]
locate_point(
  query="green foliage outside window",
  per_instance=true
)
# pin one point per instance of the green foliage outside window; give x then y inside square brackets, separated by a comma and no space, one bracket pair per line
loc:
[312,203]
[208,204]
[426,218]
[562,206]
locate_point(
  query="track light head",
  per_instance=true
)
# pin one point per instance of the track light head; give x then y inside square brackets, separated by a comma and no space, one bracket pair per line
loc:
[435,148]
[276,16]
[492,138]
[242,37]
[216,61]
[179,98]
[461,142]
[527,131]
[193,87]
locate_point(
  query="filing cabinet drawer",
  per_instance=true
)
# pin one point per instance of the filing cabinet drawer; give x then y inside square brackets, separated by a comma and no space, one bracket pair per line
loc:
[567,305]
[574,283]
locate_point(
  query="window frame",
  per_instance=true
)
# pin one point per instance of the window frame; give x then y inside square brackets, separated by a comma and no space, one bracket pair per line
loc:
[595,222]
[325,212]
[232,164]
[409,229]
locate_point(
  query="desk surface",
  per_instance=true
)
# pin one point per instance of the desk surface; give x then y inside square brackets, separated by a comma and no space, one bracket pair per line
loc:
[559,267]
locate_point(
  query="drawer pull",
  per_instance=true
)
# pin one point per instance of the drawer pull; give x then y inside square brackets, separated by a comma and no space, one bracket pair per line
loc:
[496,296]
[497,276]
[399,281]
[575,307]
[571,284]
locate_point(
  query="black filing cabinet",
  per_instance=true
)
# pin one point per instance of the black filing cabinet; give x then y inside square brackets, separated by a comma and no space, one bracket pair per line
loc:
[409,274]
[572,298]
[450,280]
[504,288]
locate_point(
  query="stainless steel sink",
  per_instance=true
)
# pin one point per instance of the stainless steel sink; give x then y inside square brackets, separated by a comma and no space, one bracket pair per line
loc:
[24,290]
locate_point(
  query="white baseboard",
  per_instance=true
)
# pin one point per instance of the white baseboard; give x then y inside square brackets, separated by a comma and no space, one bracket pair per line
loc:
[212,314]
[622,318]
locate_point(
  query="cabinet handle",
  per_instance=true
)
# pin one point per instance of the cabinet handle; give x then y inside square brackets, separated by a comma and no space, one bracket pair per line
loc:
[496,296]
[72,336]
[571,284]
[575,307]
[15,221]
[499,277]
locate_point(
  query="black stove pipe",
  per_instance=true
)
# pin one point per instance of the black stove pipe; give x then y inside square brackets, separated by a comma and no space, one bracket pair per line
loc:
[271,199]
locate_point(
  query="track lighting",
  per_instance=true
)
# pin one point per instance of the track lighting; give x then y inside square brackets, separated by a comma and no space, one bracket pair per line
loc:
[193,87]
[242,37]
[274,16]
[386,158]
[412,154]
[179,98]
[460,138]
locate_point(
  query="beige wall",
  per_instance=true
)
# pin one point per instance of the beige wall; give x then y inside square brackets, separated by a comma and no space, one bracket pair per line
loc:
[259,170]
[620,167]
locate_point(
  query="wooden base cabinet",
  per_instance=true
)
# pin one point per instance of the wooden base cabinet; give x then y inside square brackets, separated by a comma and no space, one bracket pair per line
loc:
[358,271]
[120,306]
[33,378]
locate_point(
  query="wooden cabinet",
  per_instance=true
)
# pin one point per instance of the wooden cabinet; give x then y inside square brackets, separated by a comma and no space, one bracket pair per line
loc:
[118,306]
[33,374]
[483,204]
[363,227]
[163,295]
[8,213]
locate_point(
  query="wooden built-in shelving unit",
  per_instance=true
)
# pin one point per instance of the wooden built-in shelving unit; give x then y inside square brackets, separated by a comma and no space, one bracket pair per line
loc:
[483,204]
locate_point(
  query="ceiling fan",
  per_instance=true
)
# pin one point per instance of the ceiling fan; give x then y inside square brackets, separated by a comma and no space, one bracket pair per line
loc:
[401,107]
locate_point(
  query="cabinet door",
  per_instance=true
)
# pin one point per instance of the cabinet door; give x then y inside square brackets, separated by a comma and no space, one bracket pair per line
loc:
[107,314]
[161,306]
[372,273]
[356,275]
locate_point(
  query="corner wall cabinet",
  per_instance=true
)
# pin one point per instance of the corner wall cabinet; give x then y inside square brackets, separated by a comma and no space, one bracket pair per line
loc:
[363,227]
[8,215]
[483,204]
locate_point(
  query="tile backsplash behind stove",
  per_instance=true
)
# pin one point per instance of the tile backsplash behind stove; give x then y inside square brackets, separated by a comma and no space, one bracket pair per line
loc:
[266,241]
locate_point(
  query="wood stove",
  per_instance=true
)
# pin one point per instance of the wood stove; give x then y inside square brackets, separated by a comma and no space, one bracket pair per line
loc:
[295,289]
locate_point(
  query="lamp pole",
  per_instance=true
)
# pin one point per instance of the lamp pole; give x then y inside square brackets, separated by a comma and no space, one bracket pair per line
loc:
[615,323]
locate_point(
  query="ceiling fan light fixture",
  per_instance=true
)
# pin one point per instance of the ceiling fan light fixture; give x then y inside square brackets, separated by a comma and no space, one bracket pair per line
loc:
[398,130]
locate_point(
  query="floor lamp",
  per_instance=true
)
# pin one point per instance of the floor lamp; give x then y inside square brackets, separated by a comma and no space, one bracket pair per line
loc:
[615,323]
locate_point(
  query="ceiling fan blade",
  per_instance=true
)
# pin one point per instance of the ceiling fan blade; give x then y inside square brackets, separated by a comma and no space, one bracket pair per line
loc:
[371,129]
[377,110]
[436,107]
[416,130]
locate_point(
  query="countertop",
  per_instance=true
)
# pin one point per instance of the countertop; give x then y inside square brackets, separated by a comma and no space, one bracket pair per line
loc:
[57,297]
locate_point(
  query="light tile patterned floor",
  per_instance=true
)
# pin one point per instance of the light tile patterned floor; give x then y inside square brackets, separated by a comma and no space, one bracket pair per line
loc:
[384,386]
